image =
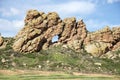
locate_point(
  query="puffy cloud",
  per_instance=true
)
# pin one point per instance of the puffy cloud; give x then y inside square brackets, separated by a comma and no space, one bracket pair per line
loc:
[77,7]
[7,27]
[93,25]
[114,25]
[9,12]
[72,7]
[112,1]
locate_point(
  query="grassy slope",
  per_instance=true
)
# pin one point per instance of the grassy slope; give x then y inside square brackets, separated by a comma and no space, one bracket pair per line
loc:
[57,59]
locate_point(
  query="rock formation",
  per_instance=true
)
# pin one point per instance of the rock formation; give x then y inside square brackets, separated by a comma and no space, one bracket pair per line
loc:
[102,41]
[1,40]
[40,28]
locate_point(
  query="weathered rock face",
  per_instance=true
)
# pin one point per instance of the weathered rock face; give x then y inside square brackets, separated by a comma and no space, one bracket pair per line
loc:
[107,40]
[116,35]
[104,35]
[97,48]
[40,28]
[1,40]
[73,33]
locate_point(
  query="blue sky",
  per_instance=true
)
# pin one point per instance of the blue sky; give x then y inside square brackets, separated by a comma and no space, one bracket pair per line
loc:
[95,13]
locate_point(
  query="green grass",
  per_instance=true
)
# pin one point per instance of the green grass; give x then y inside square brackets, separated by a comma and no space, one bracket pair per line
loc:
[54,77]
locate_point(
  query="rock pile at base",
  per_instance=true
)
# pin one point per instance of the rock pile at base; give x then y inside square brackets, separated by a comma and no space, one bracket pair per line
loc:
[40,28]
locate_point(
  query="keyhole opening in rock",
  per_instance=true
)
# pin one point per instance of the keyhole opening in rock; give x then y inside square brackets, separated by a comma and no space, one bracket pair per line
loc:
[55,38]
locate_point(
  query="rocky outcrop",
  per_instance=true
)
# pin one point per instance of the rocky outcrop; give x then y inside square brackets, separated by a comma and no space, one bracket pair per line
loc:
[1,40]
[116,35]
[104,35]
[102,41]
[116,46]
[3,43]
[97,48]
[40,28]
[73,33]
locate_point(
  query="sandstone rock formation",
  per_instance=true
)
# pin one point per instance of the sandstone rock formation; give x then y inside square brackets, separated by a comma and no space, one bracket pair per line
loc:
[1,40]
[97,48]
[40,28]
[102,41]
[116,36]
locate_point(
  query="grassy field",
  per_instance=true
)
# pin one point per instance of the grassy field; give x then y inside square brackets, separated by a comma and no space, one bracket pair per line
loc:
[47,75]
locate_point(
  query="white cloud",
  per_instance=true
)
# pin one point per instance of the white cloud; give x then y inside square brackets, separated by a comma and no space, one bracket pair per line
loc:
[112,1]
[14,11]
[7,27]
[18,24]
[93,25]
[114,25]
[77,7]
[10,12]
[72,7]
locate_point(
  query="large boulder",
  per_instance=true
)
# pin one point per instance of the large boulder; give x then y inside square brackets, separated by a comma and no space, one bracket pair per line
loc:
[97,48]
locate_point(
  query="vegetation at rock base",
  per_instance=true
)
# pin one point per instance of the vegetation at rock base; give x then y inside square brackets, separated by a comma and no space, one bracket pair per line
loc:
[58,58]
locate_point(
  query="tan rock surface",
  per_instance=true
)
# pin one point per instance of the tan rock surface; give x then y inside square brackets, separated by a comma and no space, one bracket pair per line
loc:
[1,40]
[97,48]
[103,35]
[40,28]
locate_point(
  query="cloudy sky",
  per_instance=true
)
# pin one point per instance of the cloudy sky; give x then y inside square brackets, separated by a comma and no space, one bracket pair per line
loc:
[95,13]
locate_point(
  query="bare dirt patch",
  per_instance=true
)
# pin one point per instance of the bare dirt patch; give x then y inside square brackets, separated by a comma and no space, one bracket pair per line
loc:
[16,72]
[47,73]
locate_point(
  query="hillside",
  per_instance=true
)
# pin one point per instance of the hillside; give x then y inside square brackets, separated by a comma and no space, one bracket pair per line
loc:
[58,58]
[75,50]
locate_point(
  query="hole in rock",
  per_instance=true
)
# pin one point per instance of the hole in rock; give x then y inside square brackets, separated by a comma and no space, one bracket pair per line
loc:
[55,38]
